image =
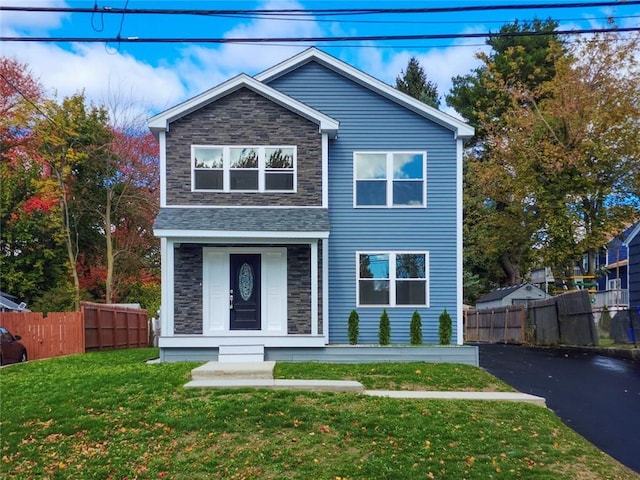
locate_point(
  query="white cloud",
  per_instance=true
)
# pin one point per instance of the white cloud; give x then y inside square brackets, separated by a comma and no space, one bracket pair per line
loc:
[205,67]
[440,64]
[101,71]
[34,21]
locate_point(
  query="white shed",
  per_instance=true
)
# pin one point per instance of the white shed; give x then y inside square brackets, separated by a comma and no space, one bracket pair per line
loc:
[514,295]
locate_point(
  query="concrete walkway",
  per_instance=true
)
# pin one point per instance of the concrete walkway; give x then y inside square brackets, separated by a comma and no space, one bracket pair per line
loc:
[260,375]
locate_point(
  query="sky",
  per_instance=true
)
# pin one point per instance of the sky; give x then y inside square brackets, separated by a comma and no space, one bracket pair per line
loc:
[153,77]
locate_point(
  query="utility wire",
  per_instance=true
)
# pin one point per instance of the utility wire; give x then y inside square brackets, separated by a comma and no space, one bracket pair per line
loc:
[435,36]
[329,11]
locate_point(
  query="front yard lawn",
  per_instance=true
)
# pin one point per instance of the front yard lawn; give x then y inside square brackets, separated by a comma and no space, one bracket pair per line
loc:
[110,415]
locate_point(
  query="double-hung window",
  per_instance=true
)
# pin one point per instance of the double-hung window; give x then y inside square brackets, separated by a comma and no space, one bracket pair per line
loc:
[393,279]
[390,179]
[243,169]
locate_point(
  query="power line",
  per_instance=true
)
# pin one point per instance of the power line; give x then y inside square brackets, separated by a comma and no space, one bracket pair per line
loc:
[321,11]
[243,40]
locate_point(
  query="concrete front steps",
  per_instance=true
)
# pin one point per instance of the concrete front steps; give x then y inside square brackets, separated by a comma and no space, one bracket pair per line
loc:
[246,374]
[230,375]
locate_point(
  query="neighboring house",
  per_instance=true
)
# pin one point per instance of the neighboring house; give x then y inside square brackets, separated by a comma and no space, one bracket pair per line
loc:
[514,295]
[291,198]
[613,261]
[9,303]
[613,282]
[632,242]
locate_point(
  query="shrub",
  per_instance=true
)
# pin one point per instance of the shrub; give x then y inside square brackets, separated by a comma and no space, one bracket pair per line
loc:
[354,330]
[416,329]
[384,333]
[444,330]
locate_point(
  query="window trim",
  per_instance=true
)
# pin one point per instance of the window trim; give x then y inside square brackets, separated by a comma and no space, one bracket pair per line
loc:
[389,178]
[393,278]
[226,168]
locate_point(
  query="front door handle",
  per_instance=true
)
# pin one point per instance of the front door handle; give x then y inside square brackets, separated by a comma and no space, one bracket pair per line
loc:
[230,299]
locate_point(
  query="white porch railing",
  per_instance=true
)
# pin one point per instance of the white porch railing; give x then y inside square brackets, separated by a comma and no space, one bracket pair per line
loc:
[612,298]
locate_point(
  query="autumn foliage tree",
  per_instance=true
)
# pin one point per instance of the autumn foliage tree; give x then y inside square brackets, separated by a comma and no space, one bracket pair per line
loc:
[499,228]
[78,199]
[568,149]
[30,253]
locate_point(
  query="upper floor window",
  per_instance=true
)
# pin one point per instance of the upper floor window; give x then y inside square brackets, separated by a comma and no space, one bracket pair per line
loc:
[389,179]
[243,169]
[393,279]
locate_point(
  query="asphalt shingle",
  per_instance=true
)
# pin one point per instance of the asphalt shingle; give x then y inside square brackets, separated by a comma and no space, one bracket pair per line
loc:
[244,219]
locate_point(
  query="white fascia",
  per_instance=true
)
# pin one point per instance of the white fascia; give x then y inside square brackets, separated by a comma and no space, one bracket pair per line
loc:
[461,129]
[162,142]
[325,170]
[240,235]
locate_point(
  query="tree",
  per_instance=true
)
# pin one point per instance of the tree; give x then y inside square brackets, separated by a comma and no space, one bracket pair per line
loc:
[31,258]
[416,328]
[384,328]
[513,60]
[75,147]
[444,328]
[130,207]
[500,228]
[413,81]
[568,149]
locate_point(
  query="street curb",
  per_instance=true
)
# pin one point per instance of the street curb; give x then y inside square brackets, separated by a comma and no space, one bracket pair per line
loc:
[632,354]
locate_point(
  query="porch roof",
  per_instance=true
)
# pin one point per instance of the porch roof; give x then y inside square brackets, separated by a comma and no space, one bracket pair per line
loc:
[233,220]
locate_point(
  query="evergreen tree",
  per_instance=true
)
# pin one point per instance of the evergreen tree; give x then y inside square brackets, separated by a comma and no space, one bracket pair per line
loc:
[413,81]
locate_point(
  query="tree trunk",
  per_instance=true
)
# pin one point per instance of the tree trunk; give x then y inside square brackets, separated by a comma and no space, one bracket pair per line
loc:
[110,254]
[511,270]
[72,254]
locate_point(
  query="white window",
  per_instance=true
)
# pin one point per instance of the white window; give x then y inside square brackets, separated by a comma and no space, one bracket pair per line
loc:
[389,179]
[243,168]
[392,279]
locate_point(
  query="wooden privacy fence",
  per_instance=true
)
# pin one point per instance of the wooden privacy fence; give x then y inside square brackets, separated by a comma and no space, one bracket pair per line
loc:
[564,319]
[496,325]
[95,327]
[109,327]
[55,335]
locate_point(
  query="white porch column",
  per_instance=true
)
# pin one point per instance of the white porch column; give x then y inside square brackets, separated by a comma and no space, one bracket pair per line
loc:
[314,287]
[166,309]
[325,290]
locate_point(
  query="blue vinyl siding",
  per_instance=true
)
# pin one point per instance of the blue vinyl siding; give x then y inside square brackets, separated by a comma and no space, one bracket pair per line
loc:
[634,273]
[371,122]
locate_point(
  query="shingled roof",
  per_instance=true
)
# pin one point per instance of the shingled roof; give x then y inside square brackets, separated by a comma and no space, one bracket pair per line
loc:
[500,293]
[243,219]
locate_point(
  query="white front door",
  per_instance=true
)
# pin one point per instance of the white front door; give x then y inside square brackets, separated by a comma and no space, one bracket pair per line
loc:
[226,274]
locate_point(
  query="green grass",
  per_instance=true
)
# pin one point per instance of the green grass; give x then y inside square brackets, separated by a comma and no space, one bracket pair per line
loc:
[399,376]
[110,415]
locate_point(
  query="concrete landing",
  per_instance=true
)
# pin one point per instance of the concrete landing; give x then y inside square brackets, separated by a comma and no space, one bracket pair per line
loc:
[240,370]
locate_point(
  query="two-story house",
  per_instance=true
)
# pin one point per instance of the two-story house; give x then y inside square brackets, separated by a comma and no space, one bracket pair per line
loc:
[293,197]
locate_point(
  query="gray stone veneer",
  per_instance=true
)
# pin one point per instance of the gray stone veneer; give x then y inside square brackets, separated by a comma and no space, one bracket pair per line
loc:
[187,287]
[244,118]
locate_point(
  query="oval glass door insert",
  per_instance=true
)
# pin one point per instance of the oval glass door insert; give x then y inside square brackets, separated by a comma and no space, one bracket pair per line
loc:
[245,281]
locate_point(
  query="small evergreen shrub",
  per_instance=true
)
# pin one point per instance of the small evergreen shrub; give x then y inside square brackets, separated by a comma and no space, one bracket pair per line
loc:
[416,329]
[444,329]
[384,332]
[354,321]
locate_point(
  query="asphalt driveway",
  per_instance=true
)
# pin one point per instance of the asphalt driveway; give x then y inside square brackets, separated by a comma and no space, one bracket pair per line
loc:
[597,396]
